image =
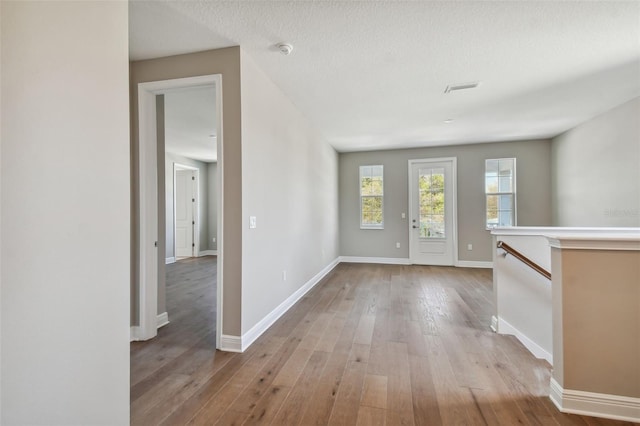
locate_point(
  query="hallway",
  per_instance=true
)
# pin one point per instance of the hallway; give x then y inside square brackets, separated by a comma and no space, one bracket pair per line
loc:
[369,345]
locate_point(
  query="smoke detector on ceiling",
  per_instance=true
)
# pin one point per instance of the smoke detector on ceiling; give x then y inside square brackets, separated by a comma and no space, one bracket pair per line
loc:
[285,48]
[461,86]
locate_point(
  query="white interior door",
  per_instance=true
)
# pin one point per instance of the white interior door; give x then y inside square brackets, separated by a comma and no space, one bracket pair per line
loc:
[184,212]
[432,232]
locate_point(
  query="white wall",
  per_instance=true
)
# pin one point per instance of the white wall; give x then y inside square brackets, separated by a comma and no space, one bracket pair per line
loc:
[290,183]
[65,213]
[596,170]
[212,187]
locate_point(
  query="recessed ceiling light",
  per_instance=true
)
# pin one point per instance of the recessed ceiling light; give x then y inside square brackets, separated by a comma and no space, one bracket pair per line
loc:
[449,120]
[461,86]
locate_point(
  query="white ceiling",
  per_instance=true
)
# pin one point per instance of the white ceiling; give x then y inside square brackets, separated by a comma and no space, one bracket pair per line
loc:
[190,126]
[372,74]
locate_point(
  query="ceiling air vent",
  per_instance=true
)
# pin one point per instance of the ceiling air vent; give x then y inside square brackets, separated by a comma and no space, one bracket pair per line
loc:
[461,86]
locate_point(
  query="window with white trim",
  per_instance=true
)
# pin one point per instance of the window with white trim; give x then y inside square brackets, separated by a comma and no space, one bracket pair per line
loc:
[371,197]
[500,190]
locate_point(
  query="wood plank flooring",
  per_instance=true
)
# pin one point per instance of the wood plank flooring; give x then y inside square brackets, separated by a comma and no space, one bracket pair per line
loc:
[369,345]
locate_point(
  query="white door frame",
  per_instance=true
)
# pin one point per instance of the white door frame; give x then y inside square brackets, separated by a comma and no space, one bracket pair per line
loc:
[196,206]
[148,198]
[454,206]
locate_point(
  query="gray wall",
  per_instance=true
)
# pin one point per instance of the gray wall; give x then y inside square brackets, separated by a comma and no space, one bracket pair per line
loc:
[203,205]
[65,213]
[212,210]
[290,183]
[227,63]
[533,196]
[596,170]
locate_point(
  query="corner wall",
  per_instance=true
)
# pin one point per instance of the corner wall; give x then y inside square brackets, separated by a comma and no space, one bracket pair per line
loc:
[533,168]
[65,213]
[290,184]
[596,171]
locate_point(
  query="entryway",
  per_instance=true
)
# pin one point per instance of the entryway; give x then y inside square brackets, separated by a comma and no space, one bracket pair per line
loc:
[150,225]
[432,211]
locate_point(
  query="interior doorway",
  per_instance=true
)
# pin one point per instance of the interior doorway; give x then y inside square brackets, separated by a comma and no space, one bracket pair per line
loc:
[148,197]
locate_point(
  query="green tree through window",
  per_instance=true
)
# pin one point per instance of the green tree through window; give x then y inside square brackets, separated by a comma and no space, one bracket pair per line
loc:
[431,188]
[371,197]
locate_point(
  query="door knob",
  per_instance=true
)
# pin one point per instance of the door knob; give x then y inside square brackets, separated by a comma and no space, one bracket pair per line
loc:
[416,226]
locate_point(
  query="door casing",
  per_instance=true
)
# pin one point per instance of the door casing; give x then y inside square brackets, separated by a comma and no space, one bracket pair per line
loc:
[148,200]
[453,206]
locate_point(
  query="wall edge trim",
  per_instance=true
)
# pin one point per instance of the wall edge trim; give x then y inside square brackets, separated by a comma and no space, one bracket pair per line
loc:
[538,351]
[607,406]
[230,343]
[134,333]
[380,260]
[474,264]
[163,319]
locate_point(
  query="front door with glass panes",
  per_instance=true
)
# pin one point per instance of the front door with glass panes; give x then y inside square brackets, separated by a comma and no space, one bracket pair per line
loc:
[432,225]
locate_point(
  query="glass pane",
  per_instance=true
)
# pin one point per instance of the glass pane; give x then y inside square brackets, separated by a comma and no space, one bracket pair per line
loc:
[366,217]
[437,180]
[506,166]
[492,167]
[505,217]
[371,203]
[491,184]
[492,218]
[371,180]
[505,184]
[506,202]
[432,204]
[371,211]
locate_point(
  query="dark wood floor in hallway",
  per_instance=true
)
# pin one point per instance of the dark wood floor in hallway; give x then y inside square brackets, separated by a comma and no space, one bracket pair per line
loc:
[369,345]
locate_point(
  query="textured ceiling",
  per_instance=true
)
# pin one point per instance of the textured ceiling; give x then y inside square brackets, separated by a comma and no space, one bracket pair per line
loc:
[372,74]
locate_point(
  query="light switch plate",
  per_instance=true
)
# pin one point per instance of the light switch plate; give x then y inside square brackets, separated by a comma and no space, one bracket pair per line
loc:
[252,222]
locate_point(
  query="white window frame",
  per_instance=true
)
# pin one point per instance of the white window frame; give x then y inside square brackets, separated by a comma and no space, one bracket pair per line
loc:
[513,193]
[368,225]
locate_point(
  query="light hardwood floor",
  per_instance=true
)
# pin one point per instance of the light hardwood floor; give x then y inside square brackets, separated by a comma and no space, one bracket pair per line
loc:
[369,345]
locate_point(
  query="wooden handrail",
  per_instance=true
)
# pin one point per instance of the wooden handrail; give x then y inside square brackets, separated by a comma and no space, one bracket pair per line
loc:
[524,259]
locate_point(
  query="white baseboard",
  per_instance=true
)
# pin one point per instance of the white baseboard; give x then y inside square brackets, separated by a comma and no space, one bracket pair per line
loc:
[494,323]
[474,264]
[595,404]
[163,319]
[134,330]
[537,350]
[134,333]
[169,260]
[230,343]
[381,260]
[208,253]
[256,331]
